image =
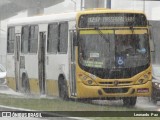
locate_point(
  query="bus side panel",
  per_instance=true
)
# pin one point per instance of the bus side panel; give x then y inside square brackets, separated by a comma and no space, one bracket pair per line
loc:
[31,67]
[56,64]
[10,72]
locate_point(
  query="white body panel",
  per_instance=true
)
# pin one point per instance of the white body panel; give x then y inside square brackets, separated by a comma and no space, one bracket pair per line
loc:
[31,65]
[10,66]
[55,64]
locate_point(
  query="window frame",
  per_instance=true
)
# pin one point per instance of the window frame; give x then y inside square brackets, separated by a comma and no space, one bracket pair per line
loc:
[29,40]
[48,38]
[9,51]
[59,43]
[23,40]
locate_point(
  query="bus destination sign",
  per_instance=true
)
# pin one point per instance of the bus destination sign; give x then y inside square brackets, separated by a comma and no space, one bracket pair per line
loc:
[112,20]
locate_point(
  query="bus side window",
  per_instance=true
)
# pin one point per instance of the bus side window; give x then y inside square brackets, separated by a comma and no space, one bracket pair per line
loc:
[63,38]
[52,40]
[33,39]
[25,39]
[10,40]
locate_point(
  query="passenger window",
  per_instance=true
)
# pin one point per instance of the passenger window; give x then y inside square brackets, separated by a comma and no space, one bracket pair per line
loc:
[33,41]
[52,38]
[10,40]
[63,43]
[25,38]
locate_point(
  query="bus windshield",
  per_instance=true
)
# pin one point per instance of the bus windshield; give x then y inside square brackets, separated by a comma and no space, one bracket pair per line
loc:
[131,50]
[120,50]
[95,50]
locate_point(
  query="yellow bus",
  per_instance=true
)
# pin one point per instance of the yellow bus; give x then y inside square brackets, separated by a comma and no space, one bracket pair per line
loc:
[91,54]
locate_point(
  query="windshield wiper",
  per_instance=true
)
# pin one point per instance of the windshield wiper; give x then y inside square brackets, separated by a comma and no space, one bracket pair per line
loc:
[102,35]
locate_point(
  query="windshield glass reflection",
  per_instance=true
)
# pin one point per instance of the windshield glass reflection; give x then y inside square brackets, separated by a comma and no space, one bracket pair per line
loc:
[109,50]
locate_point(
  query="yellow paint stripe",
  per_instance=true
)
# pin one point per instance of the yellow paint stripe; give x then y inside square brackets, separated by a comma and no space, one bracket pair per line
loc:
[96,31]
[112,32]
[34,86]
[11,83]
[130,31]
[112,27]
[52,88]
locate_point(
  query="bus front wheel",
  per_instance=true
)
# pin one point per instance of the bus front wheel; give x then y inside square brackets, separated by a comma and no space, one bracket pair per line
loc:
[63,91]
[129,101]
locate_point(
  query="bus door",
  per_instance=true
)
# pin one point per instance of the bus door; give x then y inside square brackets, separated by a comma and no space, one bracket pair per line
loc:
[73,65]
[17,61]
[41,61]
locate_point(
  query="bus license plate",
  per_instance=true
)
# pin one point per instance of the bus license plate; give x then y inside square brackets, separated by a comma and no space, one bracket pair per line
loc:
[142,90]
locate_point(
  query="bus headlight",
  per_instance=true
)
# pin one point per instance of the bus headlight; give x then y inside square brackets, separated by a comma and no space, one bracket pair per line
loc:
[90,82]
[86,79]
[146,77]
[143,79]
[82,76]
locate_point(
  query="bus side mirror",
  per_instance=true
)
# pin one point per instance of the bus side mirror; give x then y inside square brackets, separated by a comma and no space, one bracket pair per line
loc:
[151,39]
[152,47]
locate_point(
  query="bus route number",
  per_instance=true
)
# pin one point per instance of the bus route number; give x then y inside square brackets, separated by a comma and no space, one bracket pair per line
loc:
[94,19]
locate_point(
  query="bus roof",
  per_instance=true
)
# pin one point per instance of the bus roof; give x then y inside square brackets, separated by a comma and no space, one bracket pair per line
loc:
[43,19]
[106,10]
[63,16]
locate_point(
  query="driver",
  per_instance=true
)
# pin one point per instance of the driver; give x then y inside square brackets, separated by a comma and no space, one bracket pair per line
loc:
[126,45]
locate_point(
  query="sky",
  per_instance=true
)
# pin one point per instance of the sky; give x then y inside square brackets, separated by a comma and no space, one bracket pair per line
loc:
[151,8]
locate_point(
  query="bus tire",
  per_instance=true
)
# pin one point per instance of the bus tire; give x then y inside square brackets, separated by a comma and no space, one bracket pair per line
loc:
[129,101]
[154,101]
[25,84]
[63,91]
[153,97]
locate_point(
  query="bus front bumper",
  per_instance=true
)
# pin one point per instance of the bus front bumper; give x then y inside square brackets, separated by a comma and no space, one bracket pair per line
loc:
[84,91]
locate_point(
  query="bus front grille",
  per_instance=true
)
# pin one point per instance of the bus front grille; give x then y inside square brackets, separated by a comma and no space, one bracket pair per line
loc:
[121,83]
[115,90]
